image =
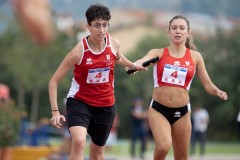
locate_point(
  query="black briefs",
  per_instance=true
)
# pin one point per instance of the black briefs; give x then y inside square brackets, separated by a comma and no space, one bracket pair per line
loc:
[171,114]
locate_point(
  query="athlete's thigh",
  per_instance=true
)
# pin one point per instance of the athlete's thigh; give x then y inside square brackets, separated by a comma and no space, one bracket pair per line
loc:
[160,127]
[78,132]
[181,135]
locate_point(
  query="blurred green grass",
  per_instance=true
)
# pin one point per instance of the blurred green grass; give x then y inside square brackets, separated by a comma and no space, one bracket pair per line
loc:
[212,148]
[223,148]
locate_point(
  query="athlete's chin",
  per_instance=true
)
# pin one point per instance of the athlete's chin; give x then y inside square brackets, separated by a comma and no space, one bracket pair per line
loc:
[102,36]
[178,42]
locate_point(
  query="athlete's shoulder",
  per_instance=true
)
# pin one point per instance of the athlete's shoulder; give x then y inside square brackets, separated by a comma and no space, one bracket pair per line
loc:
[195,54]
[156,52]
[78,47]
[114,41]
[115,44]
[77,52]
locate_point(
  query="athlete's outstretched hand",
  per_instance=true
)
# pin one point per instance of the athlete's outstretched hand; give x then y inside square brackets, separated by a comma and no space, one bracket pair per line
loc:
[138,67]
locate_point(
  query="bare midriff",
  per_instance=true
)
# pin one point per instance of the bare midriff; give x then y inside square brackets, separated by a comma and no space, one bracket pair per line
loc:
[172,97]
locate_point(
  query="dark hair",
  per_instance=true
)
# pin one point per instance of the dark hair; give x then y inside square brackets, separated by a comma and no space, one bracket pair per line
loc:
[189,42]
[97,11]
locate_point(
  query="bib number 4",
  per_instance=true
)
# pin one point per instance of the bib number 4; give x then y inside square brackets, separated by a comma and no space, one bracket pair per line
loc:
[174,75]
[98,75]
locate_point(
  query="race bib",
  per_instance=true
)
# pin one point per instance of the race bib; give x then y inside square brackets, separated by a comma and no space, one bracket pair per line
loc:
[98,75]
[174,74]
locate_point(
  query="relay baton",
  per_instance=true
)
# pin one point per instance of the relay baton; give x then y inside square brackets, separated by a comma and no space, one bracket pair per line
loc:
[145,64]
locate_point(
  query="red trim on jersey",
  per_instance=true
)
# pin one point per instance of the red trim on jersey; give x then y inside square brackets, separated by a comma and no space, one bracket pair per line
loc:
[176,72]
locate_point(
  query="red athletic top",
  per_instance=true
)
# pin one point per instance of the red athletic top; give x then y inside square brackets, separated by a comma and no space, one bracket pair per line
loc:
[175,72]
[93,81]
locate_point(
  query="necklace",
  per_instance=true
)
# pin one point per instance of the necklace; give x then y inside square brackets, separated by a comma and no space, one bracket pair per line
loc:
[99,49]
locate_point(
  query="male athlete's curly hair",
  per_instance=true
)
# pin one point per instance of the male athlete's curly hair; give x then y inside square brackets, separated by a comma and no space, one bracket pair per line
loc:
[97,11]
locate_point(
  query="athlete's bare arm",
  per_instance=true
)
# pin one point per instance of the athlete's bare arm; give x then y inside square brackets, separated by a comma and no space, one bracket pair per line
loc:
[151,54]
[121,59]
[72,58]
[205,79]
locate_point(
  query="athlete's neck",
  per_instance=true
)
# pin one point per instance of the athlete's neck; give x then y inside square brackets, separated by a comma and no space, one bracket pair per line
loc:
[97,45]
[177,51]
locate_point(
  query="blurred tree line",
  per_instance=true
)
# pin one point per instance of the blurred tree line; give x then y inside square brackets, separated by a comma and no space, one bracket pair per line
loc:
[27,68]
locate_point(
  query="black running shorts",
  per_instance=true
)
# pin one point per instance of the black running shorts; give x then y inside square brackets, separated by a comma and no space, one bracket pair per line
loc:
[97,120]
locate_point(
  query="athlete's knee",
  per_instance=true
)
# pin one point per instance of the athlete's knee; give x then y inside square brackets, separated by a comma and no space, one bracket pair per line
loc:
[163,149]
[78,144]
[96,152]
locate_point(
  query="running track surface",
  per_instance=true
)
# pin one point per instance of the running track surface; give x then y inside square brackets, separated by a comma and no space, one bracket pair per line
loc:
[206,157]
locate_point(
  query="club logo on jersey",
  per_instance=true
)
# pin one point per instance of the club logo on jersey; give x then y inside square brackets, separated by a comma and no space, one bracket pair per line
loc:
[188,65]
[89,61]
[176,63]
[108,56]
[108,60]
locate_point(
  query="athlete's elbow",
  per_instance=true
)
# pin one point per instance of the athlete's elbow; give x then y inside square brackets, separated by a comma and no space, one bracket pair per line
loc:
[209,88]
[52,84]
